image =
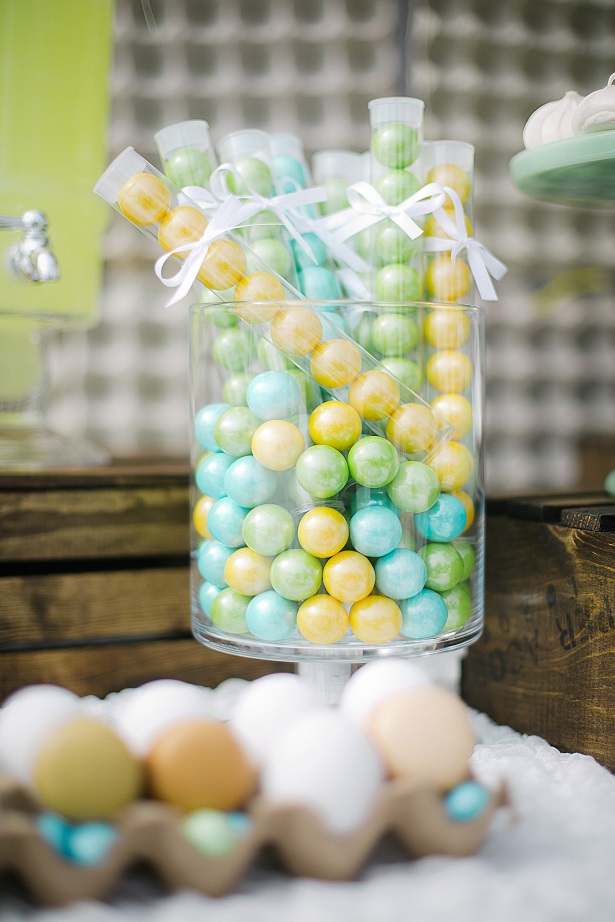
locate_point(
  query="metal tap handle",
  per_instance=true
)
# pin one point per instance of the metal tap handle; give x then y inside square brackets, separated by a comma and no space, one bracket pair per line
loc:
[31,258]
[30,220]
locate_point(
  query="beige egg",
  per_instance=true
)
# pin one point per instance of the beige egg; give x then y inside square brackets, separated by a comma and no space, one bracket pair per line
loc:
[198,764]
[424,734]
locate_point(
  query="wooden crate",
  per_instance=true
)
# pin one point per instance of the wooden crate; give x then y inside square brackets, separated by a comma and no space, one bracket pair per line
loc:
[94,581]
[546,661]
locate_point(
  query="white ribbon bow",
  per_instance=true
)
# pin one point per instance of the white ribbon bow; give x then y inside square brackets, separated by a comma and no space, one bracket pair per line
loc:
[226,218]
[367,207]
[483,264]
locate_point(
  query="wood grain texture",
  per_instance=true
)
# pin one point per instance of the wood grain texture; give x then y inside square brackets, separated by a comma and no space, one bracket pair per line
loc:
[546,661]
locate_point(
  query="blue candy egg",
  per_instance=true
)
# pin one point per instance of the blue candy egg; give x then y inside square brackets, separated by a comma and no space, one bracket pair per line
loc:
[249,483]
[204,423]
[376,496]
[270,616]
[400,574]
[289,173]
[423,615]
[225,521]
[55,830]
[211,560]
[273,395]
[317,247]
[90,842]
[444,521]
[318,283]
[467,801]
[209,475]
[375,531]
[207,594]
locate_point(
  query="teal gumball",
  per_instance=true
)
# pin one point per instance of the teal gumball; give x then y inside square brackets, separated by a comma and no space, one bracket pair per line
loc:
[318,283]
[204,424]
[225,522]
[375,531]
[249,483]
[211,561]
[444,521]
[273,395]
[271,617]
[207,594]
[400,574]
[209,474]
[423,615]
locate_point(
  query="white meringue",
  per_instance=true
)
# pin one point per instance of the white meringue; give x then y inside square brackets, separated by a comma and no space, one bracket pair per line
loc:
[597,111]
[551,122]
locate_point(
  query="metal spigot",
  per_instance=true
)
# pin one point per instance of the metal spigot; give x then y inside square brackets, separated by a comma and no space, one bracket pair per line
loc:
[31,258]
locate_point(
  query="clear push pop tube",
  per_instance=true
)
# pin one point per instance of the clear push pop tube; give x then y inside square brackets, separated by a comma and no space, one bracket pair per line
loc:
[186,152]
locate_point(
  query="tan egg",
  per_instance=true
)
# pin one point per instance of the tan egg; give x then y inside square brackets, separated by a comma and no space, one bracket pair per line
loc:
[198,764]
[424,734]
[84,771]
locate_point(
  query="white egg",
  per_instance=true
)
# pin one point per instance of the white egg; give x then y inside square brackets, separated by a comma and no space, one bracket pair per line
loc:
[27,717]
[377,680]
[148,710]
[325,762]
[266,707]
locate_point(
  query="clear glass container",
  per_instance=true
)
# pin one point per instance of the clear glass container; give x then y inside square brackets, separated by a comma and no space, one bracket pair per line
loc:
[337,490]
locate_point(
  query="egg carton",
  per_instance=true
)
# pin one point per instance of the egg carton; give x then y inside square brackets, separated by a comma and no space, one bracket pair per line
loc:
[149,832]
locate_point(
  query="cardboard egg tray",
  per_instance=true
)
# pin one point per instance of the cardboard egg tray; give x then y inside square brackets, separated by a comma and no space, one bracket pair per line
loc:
[149,832]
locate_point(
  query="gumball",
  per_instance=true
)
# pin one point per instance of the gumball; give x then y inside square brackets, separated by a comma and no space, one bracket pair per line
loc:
[188,167]
[453,465]
[277,444]
[375,619]
[348,576]
[179,226]
[234,431]
[468,505]
[322,471]
[458,601]
[223,266]
[395,145]
[211,561]
[443,564]
[268,354]
[249,483]
[433,227]
[467,801]
[209,475]
[228,611]
[335,363]
[254,176]
[318,283]
[289,173]
[443,521]
[323,532]
[269,529]
[398,282]
[332,322]
[144,199]
[446,280]
[322,619]
[446,328]
[362,333]
[395,186]
[318,248]
[375,531]
[456,410]
[225,521]
[200,515]
[296,330]
[207,594]
[400,574]
[235,389]
[204,424]
[296,575]
[374,395]
[233,349]
[449,370]
[262,226]
[336,196]
[247,572]
[449,174]
[412,428]
[373,461]
[393,245]
[467,554]
[393,334]
[270,616]
[423,615]
[258,286]
[405,370]
[273,395]
[336,424]
[415,487]
[273,253]
[368,496]
[221,315]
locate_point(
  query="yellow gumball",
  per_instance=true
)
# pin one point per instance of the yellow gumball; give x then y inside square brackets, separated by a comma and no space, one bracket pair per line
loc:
[277,444]
[180,226]
[446,328]
[449,174]
[296,330]
[323,532]
[412,428]
[144,199]
[446,280]
[322,619]
[223,266]
[374,395]
[336,424]
[335,363]
[248,572]
[375,619]
[348,576]
[258,286]
[433,228]
[200,513]
[456,410]
[468,505]
[453,465]
[449,371]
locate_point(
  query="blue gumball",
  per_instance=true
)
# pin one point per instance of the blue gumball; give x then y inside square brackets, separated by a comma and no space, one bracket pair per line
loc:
[270,616]
[423,615]
[372,496]
[444,521]
[467,801]
[204,423]
[318,283]
[207,594]
[249,483]
[209,475]
[225,520]
[289,173]
[273,395]
[375,531]
[303,260]
[211,560]
[400,574]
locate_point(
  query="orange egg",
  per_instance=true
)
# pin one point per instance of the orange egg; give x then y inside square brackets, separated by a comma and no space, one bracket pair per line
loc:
[223,266]
[296,330]
[198,764]
[374,395]
[335,363]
